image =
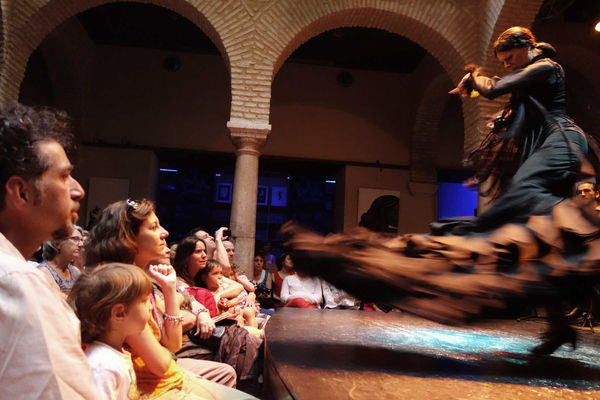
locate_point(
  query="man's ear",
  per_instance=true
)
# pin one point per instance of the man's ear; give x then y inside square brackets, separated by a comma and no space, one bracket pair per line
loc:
[18,191]
[117,312]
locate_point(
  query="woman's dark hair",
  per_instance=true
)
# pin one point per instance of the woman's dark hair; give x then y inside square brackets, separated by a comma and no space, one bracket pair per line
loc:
[518,37]
[281,260]
[200,278]
[185,249]
[514,38]
[98,289]
[22,128]
[113,237]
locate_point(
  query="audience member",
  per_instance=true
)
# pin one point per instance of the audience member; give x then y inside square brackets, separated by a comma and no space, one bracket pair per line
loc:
[59,257]
[269,259]
[172,252]
[130,232]
[79,261]
[263,282]
[39,200]
[588,192]
[286,266]
[190,259]
[214,245]
[337,298]
[233,274]
[112,302]
[211,278]
[302,291]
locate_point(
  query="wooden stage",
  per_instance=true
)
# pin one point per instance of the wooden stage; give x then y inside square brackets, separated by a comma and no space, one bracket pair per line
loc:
[343,354]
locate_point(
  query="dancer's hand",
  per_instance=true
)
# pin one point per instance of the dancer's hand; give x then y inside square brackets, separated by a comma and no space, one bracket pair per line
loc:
[461,89]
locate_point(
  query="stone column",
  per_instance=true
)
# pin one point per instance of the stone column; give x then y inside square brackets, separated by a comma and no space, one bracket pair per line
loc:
[248,137]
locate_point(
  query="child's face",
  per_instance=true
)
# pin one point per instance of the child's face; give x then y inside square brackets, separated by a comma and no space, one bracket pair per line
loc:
[214,278]
[137,315]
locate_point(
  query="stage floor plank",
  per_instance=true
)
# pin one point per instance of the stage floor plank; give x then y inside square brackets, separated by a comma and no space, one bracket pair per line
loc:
[342,354]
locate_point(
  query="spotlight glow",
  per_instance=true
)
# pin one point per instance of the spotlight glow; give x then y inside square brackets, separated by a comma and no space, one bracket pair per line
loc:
[597,27]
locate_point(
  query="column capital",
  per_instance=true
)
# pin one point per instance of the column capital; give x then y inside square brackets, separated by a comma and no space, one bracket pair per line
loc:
[248,136]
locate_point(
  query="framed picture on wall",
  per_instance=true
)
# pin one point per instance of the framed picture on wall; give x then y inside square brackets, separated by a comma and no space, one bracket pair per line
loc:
[223,193]
[262,196]
[279,196]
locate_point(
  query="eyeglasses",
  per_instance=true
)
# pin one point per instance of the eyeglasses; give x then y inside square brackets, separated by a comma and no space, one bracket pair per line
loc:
[76,239]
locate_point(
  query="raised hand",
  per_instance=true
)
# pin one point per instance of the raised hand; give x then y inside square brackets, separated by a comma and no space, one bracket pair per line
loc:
[163,274]
[219,233]
[461,89]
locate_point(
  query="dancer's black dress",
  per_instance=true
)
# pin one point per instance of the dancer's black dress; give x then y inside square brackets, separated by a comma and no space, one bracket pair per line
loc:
[531,243]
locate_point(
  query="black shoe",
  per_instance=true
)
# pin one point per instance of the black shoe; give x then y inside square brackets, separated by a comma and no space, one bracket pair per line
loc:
[553,339]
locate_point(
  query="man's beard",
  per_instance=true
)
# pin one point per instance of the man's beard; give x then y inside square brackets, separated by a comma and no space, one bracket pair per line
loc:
[63,232]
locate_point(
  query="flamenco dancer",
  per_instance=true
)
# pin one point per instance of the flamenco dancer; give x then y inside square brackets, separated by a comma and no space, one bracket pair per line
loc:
[532,244]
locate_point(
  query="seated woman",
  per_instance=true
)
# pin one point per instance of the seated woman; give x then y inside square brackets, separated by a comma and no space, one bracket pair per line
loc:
[286,268]
[59,256]
[189,260]
[211,278]
[263,282]
[130,232]
[302,291]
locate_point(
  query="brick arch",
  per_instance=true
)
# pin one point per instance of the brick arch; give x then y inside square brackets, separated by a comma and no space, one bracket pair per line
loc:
[425,130]
[278,27]
[20,39]
[448,32]
[432,40]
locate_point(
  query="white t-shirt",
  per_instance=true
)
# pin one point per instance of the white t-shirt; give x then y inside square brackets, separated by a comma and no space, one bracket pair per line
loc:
[308,289]
[112,371]
[335,297]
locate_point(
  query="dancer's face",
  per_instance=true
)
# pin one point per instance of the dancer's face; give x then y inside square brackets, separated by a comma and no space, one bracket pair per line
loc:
[514,59]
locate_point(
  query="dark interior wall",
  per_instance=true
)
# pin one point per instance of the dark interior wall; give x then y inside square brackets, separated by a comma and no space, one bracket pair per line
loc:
[134,100]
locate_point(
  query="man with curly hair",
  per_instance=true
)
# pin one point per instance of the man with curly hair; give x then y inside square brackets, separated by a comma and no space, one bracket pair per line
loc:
[40,348]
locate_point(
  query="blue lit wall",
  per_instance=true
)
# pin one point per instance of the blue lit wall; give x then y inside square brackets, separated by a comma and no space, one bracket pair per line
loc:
[456,200]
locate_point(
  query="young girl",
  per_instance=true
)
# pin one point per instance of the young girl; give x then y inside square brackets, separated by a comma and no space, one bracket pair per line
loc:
[129,231]
[211,278]
[112,302]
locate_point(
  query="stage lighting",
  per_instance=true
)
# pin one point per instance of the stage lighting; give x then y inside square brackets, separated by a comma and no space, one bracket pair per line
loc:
[597,27]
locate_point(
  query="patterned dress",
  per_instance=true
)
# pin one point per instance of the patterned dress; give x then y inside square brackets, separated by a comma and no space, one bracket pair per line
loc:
[533,243]
[64,284]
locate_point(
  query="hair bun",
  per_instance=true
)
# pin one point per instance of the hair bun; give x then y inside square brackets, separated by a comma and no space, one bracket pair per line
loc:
[546,48]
